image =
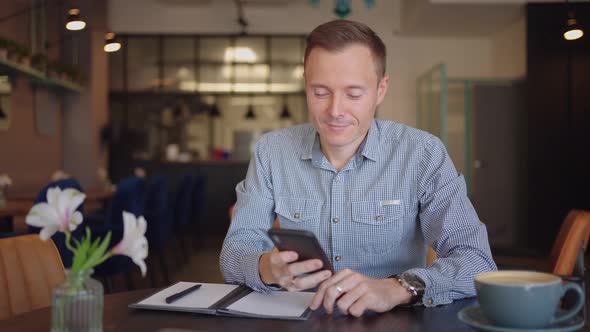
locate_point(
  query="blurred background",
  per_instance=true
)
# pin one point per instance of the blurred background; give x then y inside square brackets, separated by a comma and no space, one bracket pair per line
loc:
[175,93]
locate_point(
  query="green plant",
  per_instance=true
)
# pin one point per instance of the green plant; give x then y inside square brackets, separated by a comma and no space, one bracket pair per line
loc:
[11,46]
[55,67]
[4,43]
[39,61]
[72,72]
[22,51]
[17,50]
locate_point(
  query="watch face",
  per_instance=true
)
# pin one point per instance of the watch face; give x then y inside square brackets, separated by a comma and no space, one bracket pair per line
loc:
[414,281]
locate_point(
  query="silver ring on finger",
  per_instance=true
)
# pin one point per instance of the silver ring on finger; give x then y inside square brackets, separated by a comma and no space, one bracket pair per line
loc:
[339,289]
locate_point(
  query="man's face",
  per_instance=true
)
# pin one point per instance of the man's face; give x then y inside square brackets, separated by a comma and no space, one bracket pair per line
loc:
[343,92]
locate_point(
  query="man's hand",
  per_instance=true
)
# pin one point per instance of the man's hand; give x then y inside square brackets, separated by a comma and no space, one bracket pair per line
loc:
[354,293]
[281,268]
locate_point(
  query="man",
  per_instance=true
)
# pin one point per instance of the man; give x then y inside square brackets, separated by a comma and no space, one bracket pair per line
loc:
[375,193]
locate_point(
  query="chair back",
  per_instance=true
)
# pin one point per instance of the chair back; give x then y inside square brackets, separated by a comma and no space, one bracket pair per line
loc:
[573,233]
[198,198]
[29,269]
[130,197]
[183,202]
[430,256]
[157,213]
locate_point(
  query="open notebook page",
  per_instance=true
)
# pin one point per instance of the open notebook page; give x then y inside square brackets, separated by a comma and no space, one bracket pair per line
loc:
[279,304]
[203,297]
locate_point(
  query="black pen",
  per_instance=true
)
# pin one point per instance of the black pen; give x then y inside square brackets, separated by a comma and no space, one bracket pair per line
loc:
[181,294]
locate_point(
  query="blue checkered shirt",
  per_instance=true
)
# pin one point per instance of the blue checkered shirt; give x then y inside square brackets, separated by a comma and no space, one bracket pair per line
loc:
[398,194]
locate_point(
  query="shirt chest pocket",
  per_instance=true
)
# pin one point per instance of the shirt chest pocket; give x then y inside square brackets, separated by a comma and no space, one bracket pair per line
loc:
[298,213]
[380,222]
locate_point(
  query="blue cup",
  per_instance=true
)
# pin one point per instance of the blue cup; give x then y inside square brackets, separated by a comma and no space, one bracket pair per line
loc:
[524,299]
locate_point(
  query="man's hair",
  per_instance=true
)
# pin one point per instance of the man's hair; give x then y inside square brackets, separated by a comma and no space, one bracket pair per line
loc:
[336,35]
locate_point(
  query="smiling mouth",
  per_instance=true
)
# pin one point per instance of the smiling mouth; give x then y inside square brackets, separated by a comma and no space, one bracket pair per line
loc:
[337,126]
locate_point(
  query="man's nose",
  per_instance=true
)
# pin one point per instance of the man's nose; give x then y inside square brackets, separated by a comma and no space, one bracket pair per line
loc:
[335,106]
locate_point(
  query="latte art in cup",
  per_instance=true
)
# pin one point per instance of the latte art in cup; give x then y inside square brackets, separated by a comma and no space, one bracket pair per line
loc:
[518,278]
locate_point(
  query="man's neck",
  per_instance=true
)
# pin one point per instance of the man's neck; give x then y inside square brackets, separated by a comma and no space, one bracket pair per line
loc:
[340,156]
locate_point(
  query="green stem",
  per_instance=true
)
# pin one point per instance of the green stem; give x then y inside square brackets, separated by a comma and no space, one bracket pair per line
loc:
[68,242]
[62,313]
[104,258]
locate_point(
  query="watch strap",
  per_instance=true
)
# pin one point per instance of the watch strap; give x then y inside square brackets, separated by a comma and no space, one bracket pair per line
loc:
[413,284]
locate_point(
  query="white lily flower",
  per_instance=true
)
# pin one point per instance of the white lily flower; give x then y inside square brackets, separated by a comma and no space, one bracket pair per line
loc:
[134,243]
[58,213]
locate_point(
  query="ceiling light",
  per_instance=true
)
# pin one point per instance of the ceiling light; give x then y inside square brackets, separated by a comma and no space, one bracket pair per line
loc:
[239,54]
[214,111]
[285,114]
[74,21]
[111,44]
[573,30]
[250,115]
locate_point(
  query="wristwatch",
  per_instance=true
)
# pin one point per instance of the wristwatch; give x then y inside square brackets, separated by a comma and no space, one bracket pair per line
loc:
[413,284]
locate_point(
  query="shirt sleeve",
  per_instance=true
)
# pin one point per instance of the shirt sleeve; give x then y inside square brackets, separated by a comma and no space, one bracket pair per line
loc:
[451,226]
[246,239]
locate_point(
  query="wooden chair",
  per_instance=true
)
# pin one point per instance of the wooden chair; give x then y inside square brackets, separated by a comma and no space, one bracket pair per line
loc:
[574,231]
[430,256]
[29,269]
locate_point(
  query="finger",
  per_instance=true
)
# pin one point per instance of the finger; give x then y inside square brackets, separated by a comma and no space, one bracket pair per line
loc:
[290,285]
[358,308]
[350,297]
[318,298]
[286,273]
[307,266]
[283,257]
[337,290]
[286,281]
[280,269]
[346,284]
[311,280]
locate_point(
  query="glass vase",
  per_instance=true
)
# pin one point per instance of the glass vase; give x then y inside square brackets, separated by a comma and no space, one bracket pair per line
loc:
[77,303]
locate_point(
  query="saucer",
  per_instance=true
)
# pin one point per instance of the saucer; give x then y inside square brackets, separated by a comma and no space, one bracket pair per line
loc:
[473,317]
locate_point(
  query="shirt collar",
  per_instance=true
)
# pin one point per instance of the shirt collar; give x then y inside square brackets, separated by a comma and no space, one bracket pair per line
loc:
[368,149]
[370,146]
[308,143]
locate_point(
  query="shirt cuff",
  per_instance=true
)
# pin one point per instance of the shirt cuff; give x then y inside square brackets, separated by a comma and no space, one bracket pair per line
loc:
[250,268]
[434,293]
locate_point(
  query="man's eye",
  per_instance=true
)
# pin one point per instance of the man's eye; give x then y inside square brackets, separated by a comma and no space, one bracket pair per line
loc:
[354,96]
[321,94]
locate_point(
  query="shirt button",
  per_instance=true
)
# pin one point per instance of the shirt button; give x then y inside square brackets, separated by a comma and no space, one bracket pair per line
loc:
[336,220]
[429,301]
[297,215]
[337,179]
[379,218]
[338,258]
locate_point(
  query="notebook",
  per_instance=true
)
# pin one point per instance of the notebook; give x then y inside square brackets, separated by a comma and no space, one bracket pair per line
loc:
[231,300]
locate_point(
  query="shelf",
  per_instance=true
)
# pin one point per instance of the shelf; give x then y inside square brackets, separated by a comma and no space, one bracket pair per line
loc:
[38,77]
[183,94]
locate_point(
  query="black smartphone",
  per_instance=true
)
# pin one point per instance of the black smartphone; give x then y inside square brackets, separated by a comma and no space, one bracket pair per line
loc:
[304,243]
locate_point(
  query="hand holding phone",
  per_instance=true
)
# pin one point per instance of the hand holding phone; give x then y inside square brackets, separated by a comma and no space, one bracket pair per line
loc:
[304,243]
[294,262]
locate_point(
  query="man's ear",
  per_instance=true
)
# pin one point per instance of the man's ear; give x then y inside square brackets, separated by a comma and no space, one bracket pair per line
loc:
[382,89]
